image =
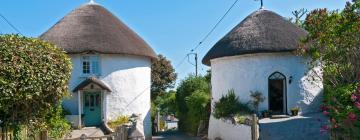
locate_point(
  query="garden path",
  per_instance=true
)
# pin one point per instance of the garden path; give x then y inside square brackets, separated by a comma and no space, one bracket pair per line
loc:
[306,127]
[173,135]
[88,131]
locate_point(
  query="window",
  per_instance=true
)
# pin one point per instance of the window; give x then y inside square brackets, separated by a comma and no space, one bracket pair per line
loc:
[90,65]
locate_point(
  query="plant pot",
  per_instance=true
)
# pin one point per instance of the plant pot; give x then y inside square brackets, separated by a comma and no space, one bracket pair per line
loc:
[294,112]
[265,114]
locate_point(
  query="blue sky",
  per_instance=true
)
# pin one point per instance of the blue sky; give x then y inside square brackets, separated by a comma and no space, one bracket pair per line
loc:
[171,27]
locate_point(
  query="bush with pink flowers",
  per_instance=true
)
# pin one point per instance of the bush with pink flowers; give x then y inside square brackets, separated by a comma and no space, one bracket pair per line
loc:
[334,41]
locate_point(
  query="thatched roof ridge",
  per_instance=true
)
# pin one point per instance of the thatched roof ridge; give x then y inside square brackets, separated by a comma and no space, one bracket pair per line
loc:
[261,32]
[92,28]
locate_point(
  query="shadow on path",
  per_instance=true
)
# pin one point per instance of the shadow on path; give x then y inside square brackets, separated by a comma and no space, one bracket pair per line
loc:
[173,135]
[305,127]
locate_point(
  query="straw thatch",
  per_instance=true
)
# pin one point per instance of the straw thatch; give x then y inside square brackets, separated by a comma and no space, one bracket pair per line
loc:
[92,28]
[261,32]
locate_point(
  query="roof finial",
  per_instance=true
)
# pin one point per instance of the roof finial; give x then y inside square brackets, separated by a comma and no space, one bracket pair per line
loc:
[262,4]
[92,1]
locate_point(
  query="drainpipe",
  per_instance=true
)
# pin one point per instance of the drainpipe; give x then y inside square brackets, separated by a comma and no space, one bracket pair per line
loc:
[79,109]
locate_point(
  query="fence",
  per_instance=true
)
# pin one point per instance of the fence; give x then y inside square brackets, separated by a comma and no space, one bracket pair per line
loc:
[121,133]
[6,134]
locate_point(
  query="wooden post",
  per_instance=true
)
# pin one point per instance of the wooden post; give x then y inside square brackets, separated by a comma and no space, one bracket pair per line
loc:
[254,128]
[44,135]
[1,134]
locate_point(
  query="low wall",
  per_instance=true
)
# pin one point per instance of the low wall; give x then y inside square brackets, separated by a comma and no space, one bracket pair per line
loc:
[73,119]
[226,130]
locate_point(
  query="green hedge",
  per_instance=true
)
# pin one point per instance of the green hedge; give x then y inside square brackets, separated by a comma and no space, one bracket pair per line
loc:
[33,80]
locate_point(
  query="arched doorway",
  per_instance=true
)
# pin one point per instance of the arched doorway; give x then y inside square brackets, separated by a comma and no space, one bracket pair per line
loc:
[277,93]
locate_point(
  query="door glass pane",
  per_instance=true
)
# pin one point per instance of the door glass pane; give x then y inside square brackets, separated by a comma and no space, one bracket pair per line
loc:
[92,100]
[97,100]
[87,100]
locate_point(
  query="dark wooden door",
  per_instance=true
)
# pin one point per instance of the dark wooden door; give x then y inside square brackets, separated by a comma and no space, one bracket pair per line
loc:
[276,96]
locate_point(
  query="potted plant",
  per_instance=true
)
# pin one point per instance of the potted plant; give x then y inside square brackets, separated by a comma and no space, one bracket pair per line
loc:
[256,99]
[295,111]
[266,114]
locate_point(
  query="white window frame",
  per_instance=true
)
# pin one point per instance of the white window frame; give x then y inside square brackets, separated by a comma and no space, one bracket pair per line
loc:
[92,59]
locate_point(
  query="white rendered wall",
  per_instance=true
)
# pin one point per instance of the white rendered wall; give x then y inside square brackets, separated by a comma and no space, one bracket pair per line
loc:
[225,130]
[250,72]
[129,79]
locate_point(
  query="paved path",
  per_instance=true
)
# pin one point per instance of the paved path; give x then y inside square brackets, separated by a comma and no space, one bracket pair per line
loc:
[173,136]
[88,131]
[305,127]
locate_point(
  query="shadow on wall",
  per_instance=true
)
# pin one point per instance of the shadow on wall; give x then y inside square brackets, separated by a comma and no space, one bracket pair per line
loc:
[311,91]
[310,103]
[147,125]
[299,128]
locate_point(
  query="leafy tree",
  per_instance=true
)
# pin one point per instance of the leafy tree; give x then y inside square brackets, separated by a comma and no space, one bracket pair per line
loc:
[298,15]
[33,79]
[334,42]
[192,97]
[163,76]
[167,103]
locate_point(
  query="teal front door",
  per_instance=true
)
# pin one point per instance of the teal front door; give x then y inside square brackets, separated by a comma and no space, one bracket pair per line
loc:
[92,108]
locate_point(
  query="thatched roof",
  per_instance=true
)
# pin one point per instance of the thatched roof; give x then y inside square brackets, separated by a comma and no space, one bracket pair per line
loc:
[92,28]
[91,80]
[261,32]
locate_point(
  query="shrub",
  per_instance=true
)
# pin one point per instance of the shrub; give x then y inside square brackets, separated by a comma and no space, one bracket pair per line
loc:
[229,105]
[121,120]
[33,80]
[57,125]
[193,95]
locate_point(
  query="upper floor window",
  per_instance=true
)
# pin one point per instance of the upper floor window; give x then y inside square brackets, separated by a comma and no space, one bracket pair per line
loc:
[90,65]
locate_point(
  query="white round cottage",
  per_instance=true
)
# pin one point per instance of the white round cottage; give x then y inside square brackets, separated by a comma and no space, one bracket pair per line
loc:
[111,67]
[257,55]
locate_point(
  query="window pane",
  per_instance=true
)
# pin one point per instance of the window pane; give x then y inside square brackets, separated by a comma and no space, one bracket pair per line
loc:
[95,67]
[86,67]
[91,100]
[87,100]
[97,100]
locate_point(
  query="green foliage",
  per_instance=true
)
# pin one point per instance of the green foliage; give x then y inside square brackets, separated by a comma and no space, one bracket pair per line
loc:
[57,125]
[33,79]
[193,102]
[198,103]
[334,41]
[163,76]
[229,106]
[167,103]
[121,120]
[295,109]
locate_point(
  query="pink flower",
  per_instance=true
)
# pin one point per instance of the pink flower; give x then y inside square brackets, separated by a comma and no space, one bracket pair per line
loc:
[326,113]
[324,129]
[353,97]
[352,116]
[357,104]
[334,99]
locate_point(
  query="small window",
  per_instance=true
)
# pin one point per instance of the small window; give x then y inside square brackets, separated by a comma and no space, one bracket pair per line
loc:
[90,65]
